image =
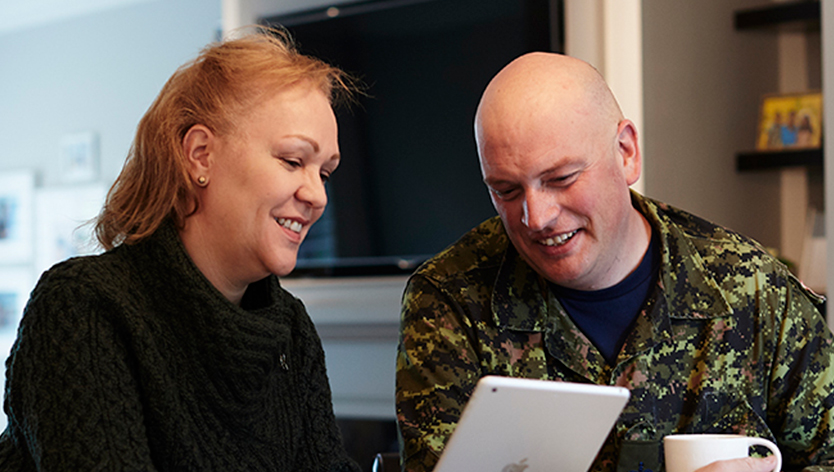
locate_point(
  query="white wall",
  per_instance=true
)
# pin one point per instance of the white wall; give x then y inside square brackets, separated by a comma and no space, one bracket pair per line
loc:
[703,84]
[23,14]
[828,97]
[91,70]
[608,34]
[97,72]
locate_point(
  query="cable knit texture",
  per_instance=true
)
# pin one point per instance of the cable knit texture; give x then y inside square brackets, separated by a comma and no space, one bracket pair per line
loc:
[133,361]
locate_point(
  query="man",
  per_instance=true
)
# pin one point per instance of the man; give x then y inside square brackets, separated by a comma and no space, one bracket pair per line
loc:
[580,279]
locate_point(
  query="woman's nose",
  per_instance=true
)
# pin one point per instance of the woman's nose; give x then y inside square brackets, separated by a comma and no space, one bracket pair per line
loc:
[312,191]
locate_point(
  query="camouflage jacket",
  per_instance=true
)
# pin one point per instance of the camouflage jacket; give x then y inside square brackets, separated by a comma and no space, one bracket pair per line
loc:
[729,341]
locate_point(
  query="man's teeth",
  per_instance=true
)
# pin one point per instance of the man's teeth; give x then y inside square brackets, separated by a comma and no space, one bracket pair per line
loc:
[558,240]
[290,224]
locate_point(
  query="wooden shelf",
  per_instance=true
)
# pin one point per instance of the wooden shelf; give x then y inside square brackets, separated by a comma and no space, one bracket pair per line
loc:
[791,15]
[796,14]
[761,160]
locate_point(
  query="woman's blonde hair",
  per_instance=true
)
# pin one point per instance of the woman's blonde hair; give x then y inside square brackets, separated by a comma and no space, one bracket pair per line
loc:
[220,85]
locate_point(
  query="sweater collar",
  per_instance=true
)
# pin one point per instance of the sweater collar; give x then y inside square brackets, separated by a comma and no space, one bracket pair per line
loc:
[165,249]
[234,345]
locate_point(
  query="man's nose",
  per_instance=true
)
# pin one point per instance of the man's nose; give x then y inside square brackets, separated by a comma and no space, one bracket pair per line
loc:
[540,210]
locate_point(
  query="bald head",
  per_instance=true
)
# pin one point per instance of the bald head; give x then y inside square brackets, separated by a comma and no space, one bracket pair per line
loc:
[558,158]
[539,89]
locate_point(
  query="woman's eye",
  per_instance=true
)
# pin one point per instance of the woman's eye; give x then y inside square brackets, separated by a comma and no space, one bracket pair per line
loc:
[291,162]
[325,177]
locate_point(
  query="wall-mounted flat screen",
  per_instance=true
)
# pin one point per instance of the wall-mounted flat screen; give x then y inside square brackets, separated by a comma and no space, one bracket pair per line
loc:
[409,183]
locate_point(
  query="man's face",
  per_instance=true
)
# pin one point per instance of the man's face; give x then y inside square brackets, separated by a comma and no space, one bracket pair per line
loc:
[562,193]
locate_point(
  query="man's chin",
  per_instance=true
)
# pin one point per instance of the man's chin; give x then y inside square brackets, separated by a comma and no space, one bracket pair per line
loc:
[558,269]
[563,274]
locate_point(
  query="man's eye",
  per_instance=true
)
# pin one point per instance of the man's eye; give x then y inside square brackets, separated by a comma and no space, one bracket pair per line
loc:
[563,180]
[507,194]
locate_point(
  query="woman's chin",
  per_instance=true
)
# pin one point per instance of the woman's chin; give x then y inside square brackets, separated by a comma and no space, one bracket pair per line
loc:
[284,267]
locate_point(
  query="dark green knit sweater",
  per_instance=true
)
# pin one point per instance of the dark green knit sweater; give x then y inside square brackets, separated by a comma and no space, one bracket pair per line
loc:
[132,360]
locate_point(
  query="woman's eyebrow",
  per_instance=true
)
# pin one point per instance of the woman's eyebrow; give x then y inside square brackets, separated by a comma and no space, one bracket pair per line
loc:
[308,140]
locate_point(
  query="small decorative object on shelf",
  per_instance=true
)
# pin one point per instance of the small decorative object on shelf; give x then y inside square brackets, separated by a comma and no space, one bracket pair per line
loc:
[790,121]
[801,15]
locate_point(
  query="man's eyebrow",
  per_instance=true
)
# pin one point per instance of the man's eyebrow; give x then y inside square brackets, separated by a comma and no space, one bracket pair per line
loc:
[550,170]
[555,168]
[493,182]
[567,163]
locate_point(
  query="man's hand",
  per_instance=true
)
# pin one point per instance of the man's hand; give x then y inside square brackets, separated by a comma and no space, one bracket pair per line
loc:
[747,464]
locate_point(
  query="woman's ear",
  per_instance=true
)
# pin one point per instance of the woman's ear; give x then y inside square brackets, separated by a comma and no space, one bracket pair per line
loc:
[197,145]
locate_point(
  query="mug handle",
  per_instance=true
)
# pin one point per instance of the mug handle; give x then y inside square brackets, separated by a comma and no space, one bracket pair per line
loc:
[753,441]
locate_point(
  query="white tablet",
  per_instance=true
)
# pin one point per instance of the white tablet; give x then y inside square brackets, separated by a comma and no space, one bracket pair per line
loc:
[513,425]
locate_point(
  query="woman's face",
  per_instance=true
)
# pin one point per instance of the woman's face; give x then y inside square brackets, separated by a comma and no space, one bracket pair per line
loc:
[265,187]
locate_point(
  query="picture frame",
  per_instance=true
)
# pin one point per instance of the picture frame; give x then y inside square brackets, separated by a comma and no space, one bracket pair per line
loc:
[63,227]
[790,122]
[16,283]
[79,157]
[16,216]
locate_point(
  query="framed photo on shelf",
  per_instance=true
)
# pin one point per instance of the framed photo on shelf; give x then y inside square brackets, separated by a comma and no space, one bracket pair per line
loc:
[16,284]
[790,121]
[16,215]
[61,223]
[79,157]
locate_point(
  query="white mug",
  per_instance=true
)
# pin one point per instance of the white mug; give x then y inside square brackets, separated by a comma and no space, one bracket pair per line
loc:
[690,452]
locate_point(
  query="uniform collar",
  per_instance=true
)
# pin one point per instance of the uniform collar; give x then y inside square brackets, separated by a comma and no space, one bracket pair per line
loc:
[520,295]
[688,290]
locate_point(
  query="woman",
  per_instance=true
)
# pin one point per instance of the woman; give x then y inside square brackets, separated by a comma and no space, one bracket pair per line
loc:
[177,349]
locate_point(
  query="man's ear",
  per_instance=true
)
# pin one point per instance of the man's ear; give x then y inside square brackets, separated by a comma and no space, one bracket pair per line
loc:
[629,150]
[197,145]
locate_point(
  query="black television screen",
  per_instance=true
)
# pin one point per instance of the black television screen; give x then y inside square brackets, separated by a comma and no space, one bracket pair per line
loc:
[409,183]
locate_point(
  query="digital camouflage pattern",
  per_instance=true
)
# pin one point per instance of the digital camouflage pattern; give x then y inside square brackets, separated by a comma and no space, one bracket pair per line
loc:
[729,342]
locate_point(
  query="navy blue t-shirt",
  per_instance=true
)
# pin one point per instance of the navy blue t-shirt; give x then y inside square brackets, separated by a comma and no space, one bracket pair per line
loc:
[606,316]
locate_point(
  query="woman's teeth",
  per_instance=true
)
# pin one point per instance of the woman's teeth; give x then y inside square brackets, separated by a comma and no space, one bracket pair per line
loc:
[289,224]
[559,240]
